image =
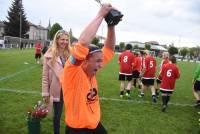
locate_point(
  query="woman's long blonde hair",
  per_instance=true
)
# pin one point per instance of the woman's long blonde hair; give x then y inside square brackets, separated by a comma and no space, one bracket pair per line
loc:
[54,46]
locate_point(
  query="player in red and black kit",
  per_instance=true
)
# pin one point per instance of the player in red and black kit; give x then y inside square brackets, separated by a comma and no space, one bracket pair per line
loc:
[137,66]
[125,61]
[148,74]
[169,74]
[165,60]
[38,50]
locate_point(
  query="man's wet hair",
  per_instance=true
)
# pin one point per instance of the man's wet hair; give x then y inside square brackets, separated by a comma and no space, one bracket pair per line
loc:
[172,59]
[128,47]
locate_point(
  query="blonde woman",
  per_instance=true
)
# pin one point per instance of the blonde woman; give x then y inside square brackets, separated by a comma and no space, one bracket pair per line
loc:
[54,60]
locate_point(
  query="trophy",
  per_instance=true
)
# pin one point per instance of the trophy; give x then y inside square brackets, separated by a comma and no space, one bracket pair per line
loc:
[113,17]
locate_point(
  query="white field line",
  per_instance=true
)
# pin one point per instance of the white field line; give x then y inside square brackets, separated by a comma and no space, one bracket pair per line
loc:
[16,73]
[101,98]
[28,91]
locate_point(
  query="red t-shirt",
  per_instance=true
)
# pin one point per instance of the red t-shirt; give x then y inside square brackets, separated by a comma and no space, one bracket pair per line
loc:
[149,66]
[126,59]
[38,48]
[137,64]
[169,74]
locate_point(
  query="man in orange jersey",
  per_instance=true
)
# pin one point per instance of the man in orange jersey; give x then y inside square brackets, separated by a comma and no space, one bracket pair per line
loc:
[79,84]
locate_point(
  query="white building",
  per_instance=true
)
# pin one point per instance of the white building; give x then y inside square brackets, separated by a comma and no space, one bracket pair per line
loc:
[37,32]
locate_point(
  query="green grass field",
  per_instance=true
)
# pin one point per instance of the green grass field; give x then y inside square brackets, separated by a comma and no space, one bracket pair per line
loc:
[20,88]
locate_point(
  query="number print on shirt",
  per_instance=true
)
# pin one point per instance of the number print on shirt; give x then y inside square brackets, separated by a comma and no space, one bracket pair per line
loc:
[151,64]
[169,73]
[125,59]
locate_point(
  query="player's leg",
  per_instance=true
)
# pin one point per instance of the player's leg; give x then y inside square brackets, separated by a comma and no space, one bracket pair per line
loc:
[129,85]
[134,79]
[39,58]
[143,88]
[36,58]
[157,87]
[153,92]
[196,88]
[122,84]
[164,100]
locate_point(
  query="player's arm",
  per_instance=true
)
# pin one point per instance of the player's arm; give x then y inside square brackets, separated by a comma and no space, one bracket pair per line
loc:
[110,40]
[161,73]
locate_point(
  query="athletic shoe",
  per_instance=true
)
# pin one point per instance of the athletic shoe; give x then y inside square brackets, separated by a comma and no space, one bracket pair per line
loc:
[141,95]
[164,107]
[197,105]
[128,95]
[154,99]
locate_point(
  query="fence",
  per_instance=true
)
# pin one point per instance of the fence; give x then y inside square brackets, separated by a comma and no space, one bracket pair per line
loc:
[15,42]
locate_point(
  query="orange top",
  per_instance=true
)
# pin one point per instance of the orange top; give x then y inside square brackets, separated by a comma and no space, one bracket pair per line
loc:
[80,93]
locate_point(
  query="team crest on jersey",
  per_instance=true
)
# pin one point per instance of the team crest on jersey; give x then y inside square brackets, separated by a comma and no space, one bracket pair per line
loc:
[92,95]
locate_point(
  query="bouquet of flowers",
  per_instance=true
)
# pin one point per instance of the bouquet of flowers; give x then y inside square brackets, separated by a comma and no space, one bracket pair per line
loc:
[34,115]
[38,112]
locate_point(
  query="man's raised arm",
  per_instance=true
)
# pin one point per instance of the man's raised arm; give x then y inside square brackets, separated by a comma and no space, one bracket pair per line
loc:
[90,31]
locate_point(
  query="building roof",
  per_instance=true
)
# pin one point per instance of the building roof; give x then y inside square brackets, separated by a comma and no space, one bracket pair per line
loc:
[37,26]
[154,45]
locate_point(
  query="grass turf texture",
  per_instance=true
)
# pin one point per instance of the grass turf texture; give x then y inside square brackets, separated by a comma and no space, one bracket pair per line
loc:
[119,116]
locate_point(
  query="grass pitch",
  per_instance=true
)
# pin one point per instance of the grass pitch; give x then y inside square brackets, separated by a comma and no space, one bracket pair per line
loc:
[20,88]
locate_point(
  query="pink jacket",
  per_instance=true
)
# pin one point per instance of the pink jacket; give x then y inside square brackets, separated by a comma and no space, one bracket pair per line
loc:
[50,78]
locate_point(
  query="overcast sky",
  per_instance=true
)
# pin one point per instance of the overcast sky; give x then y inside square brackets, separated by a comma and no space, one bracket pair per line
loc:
[165,21]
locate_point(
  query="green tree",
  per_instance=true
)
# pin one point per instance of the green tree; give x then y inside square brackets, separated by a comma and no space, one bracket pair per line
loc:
[147,46]
[54,29]
[135,47]
[95,41]
[15,14]
[173,50]
[183,52]
[121,46]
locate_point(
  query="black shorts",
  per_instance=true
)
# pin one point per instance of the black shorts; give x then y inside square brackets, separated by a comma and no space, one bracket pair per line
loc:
[136,74]
[166,92]
[123,77]
[158,81]
[148,82]
[197,85]
[98,130]
[37,56]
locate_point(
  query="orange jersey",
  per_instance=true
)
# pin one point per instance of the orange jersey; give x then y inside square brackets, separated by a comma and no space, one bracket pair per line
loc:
[80,93]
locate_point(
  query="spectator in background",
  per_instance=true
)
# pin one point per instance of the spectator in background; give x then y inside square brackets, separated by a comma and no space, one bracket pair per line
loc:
[196,85]
[125,61]
[54,61]
[38,50]
[168,75]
